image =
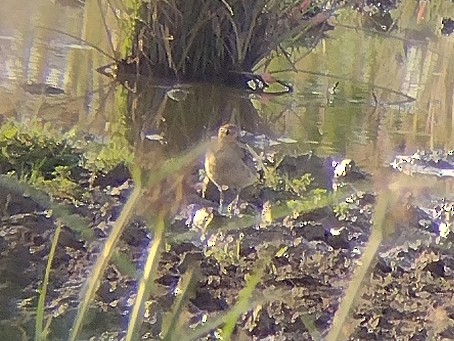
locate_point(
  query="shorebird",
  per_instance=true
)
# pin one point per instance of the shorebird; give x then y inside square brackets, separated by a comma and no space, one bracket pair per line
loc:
[229,164]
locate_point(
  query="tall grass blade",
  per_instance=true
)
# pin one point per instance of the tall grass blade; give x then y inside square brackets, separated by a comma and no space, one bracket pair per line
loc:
[94,47]
[385,200]
[304,205]
[169,167]
[40,332]
[201,331]
[59,211]
[146,282]
[102,261]
[178,163]
[229,8]
[244,301]
[309,322]
[124,264]
[171,323]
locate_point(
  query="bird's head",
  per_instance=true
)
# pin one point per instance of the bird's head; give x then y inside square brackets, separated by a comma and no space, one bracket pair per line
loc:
[228,132]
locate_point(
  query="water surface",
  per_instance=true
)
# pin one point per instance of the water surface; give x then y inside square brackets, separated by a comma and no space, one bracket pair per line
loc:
[394,92]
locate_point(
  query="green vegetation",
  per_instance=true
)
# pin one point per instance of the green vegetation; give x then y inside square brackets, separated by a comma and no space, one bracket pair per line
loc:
[31,153]
[217,40]
[56,162]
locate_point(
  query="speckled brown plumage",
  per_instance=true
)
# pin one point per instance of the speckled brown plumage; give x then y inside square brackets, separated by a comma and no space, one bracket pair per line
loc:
[228,163]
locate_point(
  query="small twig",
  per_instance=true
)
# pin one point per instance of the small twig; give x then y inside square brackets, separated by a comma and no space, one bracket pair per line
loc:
[287,56]
[80,40]
[104,22]
[375,99]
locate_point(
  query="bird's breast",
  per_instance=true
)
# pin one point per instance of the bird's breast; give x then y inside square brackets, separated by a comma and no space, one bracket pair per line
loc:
[225,167]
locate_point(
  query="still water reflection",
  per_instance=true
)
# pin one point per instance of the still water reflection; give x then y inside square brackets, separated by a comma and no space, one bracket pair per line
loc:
[394,91]
[35,54]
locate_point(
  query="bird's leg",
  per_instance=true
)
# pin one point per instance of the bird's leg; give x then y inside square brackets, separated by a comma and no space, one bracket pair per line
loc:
[234,203]
[206,181]
[232,208]
[221,201]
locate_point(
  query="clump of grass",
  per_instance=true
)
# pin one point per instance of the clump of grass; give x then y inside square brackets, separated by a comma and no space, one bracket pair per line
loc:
[215,40]
[27,150]
[55,162]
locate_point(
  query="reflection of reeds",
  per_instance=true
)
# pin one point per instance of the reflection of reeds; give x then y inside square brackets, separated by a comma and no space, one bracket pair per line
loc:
[214,40]
[183,123]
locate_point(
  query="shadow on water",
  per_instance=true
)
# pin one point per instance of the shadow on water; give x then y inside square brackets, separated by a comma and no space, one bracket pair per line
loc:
[184,115]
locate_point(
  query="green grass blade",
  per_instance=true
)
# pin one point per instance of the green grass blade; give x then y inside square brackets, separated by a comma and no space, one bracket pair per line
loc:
[172,320]
[103,260]
[201,331]
[124,264]
[244,301]
[307,204]
[309,322]
[385,200]
[59,211]
[146,282]
[169,167]
[40,332]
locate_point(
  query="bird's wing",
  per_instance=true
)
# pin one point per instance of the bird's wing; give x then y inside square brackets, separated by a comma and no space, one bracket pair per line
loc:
[249,157]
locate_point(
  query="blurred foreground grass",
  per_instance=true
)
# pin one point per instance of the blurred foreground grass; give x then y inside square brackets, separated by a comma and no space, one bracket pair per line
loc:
[36,175]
